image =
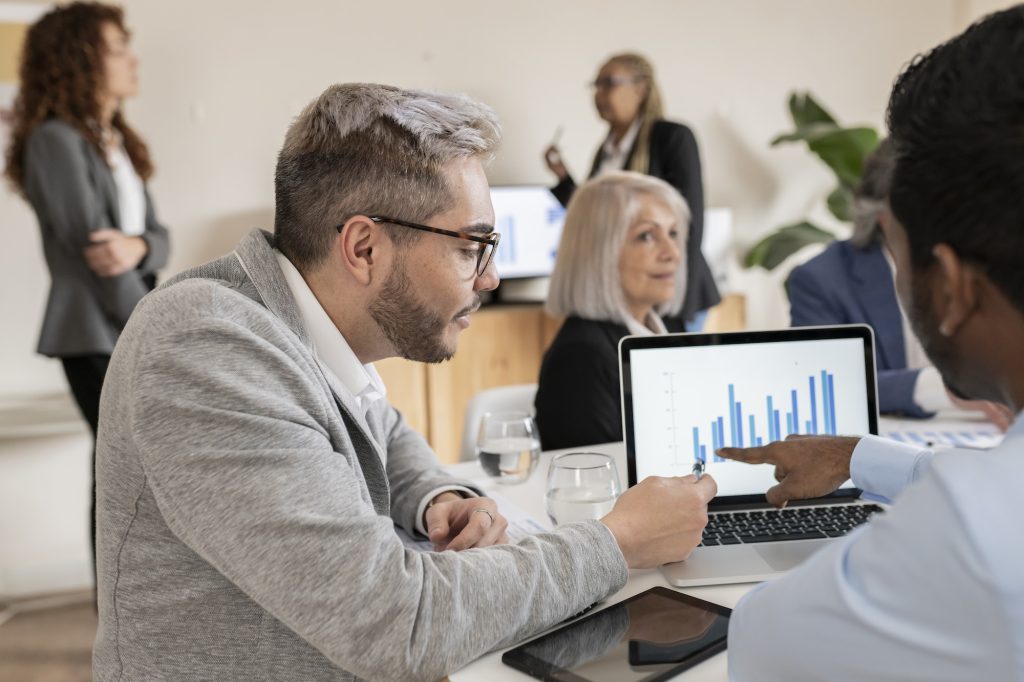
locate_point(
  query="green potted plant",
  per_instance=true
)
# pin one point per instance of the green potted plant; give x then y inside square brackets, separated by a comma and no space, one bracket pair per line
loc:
[843,150]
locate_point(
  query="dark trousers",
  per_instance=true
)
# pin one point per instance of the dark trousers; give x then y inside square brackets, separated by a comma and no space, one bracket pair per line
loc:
[85,375]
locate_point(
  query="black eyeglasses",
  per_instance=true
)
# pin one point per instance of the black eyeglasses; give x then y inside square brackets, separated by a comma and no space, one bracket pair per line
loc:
[484,255]
[610,82]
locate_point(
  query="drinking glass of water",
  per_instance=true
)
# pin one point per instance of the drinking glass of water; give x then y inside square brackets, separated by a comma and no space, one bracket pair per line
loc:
[581,486]
[508,446]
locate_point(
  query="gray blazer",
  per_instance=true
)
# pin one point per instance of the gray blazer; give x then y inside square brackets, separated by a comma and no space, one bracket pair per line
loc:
[246,510]
[72,191]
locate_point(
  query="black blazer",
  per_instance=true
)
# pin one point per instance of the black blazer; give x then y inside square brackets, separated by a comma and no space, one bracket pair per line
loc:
[578,401]
[675,159]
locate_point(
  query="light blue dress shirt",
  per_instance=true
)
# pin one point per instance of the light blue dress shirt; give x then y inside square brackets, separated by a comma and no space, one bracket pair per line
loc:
[931,590]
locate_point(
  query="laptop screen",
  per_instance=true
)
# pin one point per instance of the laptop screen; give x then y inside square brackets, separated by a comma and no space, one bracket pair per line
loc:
[685,395]
[529,219]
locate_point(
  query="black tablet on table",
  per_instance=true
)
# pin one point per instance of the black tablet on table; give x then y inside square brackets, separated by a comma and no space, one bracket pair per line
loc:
[652,636]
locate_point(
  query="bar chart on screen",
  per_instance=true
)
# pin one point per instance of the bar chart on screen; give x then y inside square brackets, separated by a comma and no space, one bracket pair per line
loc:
[689,402]
[766,424]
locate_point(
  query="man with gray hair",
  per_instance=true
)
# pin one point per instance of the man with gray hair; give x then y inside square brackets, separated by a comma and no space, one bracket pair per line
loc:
[251,472]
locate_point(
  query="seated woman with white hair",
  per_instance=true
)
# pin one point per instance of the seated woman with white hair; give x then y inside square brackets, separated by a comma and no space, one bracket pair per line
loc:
[619,269]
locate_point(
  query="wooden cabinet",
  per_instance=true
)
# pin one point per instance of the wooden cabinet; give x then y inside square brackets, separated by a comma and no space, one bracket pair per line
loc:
[503,345]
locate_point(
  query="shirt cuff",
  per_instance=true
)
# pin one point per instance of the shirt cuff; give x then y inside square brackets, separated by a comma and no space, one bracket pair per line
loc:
[930,391]
[465,492]
[883,468]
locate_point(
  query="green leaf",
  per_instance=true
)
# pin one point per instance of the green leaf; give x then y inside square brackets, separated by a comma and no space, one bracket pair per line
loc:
[844,151]
[807,133]
[784,242]
[840,203]
[806,111]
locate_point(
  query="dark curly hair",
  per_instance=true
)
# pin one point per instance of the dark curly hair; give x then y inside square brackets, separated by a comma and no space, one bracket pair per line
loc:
[956,116]
[61,72]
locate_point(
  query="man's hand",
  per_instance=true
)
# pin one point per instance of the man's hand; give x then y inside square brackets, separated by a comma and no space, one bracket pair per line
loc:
[114,253]
[455,522]
[660,520]
[805,466]
[1000,415]
[553,159]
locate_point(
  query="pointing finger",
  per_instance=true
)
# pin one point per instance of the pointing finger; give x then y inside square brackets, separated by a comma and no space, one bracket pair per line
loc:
[758,455]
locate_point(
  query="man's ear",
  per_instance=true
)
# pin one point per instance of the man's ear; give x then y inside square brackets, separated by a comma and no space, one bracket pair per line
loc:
[958,289]
[355,247]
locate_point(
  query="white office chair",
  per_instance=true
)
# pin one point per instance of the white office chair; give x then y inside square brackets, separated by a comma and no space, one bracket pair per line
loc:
[518,397]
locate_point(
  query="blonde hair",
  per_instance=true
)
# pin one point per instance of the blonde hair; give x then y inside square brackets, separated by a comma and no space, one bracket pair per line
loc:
[585,281]
[651,108]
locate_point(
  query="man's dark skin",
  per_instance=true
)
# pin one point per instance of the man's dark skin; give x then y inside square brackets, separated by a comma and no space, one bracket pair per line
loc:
[970,330]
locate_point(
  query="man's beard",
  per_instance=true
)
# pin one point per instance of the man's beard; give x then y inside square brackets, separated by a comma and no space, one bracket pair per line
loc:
[413,329]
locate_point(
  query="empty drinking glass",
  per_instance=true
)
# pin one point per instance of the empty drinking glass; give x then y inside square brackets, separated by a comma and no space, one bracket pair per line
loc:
[581,485]
[508,446]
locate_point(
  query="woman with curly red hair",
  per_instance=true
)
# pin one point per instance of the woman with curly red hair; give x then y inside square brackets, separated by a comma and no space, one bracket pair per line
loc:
[83,169]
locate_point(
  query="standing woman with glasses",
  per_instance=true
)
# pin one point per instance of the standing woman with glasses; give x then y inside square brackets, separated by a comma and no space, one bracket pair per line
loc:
[83,169]
[640,139]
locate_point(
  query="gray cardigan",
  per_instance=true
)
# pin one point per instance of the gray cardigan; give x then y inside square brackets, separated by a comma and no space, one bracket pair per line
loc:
[72,191]
[246,510]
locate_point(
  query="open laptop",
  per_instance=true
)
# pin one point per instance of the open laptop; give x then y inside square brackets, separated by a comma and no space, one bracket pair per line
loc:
[685,395]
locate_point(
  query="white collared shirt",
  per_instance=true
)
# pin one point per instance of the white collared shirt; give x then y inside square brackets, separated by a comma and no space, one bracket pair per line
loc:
[614,156]
[929,590]
[131,193]
[651,326]
[336,357]
[340,364]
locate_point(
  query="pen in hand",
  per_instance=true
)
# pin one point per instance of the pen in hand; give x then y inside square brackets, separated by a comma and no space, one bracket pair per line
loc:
[698,469]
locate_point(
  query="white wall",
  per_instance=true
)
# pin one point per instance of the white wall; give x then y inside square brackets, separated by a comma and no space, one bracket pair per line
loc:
[221,81]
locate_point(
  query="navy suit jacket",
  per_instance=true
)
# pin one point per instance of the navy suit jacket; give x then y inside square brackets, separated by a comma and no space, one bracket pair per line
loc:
[848,285]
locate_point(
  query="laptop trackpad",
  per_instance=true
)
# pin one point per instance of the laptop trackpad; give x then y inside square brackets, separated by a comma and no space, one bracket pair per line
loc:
[782,556]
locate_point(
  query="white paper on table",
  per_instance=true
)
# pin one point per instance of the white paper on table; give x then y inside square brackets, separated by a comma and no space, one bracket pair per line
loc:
[942,434]
[520,524]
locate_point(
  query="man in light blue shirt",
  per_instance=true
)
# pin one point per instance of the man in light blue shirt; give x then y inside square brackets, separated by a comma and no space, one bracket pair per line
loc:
[934,588]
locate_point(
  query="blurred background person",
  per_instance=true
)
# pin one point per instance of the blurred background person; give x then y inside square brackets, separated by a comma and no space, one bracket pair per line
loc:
[619,270]
[852,282]
[83,169]
[639,139]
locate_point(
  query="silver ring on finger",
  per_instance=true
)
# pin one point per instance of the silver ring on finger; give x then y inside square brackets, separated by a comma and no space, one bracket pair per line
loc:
[485,511]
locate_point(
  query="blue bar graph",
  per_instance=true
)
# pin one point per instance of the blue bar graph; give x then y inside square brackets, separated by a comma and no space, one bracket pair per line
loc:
[814,408]
[824,401]
[831,405]
[773,415]
[796,412]
[739,424]
[732,414]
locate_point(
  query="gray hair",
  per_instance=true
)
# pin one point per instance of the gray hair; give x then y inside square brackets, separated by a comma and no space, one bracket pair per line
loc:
[585,281]
[872,193]
[373,149]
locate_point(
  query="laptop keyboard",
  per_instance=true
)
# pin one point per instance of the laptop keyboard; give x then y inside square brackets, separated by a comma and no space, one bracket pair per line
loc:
[793,523]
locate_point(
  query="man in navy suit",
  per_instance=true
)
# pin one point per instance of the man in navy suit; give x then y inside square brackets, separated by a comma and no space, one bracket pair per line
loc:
[852,282]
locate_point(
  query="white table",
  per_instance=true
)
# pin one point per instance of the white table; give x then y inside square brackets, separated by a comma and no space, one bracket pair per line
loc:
[529,496]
